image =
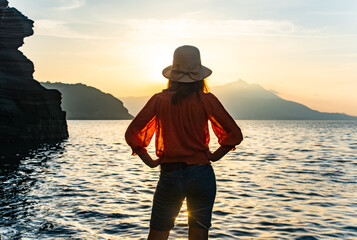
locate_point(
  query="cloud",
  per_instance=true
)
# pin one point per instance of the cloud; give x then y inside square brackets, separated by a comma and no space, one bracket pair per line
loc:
[71,4]
[181,29]
[333,13]
[55,28]
[151,29]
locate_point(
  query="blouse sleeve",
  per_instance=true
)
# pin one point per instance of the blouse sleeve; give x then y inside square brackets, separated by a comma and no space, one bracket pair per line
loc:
[142,128]
[223,125]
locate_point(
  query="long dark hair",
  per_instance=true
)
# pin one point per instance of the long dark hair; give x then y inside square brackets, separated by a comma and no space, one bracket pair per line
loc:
[183,90]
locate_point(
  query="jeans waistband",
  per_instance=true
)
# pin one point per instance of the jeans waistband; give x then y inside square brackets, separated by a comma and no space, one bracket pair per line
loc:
[169,167]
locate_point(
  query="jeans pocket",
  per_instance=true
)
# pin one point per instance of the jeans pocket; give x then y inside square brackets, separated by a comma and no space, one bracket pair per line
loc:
[203,183]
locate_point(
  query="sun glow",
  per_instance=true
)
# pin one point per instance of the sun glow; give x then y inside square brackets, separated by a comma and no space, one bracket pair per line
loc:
[156,60]
[152,58]
[124,54]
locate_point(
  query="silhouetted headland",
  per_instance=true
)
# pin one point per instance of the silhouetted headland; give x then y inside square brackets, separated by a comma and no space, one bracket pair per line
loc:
[28,111]
[82,102]
[252,102]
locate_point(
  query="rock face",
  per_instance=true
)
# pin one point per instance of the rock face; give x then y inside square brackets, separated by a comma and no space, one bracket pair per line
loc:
[28,111]
[82,102]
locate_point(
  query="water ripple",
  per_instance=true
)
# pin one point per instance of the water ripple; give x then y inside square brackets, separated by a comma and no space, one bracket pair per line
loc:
[288,180]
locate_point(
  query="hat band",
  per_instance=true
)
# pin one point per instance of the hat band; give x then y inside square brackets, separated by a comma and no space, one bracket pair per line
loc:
[176,75]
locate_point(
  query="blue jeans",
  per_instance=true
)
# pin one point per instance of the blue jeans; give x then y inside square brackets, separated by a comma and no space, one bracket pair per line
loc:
[197,183]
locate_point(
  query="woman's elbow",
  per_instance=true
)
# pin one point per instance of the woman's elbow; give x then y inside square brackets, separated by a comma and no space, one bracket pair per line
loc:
[127,136]
[239,135]
[130,136]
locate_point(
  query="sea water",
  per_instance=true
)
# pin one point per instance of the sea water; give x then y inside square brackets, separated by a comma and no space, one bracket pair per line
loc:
[287,180]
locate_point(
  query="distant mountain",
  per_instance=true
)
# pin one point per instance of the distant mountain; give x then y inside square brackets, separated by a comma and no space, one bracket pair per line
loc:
[135,104]
[88,103]
[253,102]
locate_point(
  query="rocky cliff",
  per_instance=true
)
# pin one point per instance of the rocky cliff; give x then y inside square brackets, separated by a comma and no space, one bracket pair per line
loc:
[28,111]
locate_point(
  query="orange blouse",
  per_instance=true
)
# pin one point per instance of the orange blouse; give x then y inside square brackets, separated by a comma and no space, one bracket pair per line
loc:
[181,130]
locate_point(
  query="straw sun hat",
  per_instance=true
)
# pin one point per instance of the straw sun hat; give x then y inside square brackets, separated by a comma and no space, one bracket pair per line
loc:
[186,66]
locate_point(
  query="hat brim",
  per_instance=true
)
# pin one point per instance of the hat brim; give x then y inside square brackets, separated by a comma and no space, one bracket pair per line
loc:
[204,73]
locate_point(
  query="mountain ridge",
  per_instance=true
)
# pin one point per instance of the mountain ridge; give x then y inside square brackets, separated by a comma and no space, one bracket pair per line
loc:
[248,101]
[82,102]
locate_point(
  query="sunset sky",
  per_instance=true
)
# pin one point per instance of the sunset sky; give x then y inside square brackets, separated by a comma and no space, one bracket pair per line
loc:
[304,50]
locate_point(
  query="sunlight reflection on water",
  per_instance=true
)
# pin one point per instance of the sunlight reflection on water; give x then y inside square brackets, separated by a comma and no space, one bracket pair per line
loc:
[287,180]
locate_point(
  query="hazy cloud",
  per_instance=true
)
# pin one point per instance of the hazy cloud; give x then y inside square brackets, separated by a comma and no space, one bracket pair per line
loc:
[71,4]
[333,13]
[149,29]
[55,28]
